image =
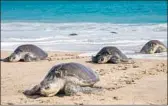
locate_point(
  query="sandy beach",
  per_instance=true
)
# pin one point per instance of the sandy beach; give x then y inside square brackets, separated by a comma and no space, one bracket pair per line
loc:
[144,82]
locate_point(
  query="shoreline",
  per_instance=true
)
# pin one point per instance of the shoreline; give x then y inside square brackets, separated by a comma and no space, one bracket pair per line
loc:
[143,82]
[91,22]
[89,54]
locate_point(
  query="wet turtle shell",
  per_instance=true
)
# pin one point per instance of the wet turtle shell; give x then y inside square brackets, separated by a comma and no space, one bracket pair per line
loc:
[29,48]
[74,70]
[107,53]
[153,46]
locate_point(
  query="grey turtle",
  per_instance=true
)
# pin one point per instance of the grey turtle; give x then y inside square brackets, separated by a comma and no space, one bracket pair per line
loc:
[69,78]
[27,53]
[110,54]
[153,46]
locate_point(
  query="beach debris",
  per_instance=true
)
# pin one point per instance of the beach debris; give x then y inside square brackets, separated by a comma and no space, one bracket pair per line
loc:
[115,98]
[113,32]
[73,34]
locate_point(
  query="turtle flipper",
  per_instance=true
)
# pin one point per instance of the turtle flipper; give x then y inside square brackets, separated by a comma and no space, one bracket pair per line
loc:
[73,89]
[90,90]
[128,61]
[29,58]
[12,58]
[114,60]
[5,59]
[34,91]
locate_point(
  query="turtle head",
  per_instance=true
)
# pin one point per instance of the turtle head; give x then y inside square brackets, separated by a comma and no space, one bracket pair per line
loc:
[103,59]
[51,88]
[94,59]
[14,57]
[152,48]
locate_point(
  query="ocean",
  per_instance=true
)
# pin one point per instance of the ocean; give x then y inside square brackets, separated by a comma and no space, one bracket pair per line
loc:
[127,25]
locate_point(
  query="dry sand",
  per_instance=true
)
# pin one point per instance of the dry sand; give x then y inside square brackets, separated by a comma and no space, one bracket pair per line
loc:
[144,82]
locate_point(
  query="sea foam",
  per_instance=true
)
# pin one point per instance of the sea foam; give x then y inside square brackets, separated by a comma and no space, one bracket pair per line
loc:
[91,37]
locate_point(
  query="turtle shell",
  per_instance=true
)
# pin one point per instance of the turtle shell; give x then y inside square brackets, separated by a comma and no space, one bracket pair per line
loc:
[111,50]
[73,69]
[149,45]
[32,49]
[155,42]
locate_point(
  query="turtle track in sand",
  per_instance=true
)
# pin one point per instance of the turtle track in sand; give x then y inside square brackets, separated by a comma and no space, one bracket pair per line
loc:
[121,77]
[66,56]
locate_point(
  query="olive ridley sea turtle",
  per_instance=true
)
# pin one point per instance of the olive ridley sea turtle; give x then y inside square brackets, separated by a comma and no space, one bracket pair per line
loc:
[27,53]
[70,78]
[110,54]
[153,46]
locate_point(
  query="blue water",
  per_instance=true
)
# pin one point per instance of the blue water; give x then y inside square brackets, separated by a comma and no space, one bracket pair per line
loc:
[85,11]
[48,25]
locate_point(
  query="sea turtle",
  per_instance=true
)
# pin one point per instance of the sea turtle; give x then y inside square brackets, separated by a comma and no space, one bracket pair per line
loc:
[27,53]
[110,54]
[153,46]
[69,78]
